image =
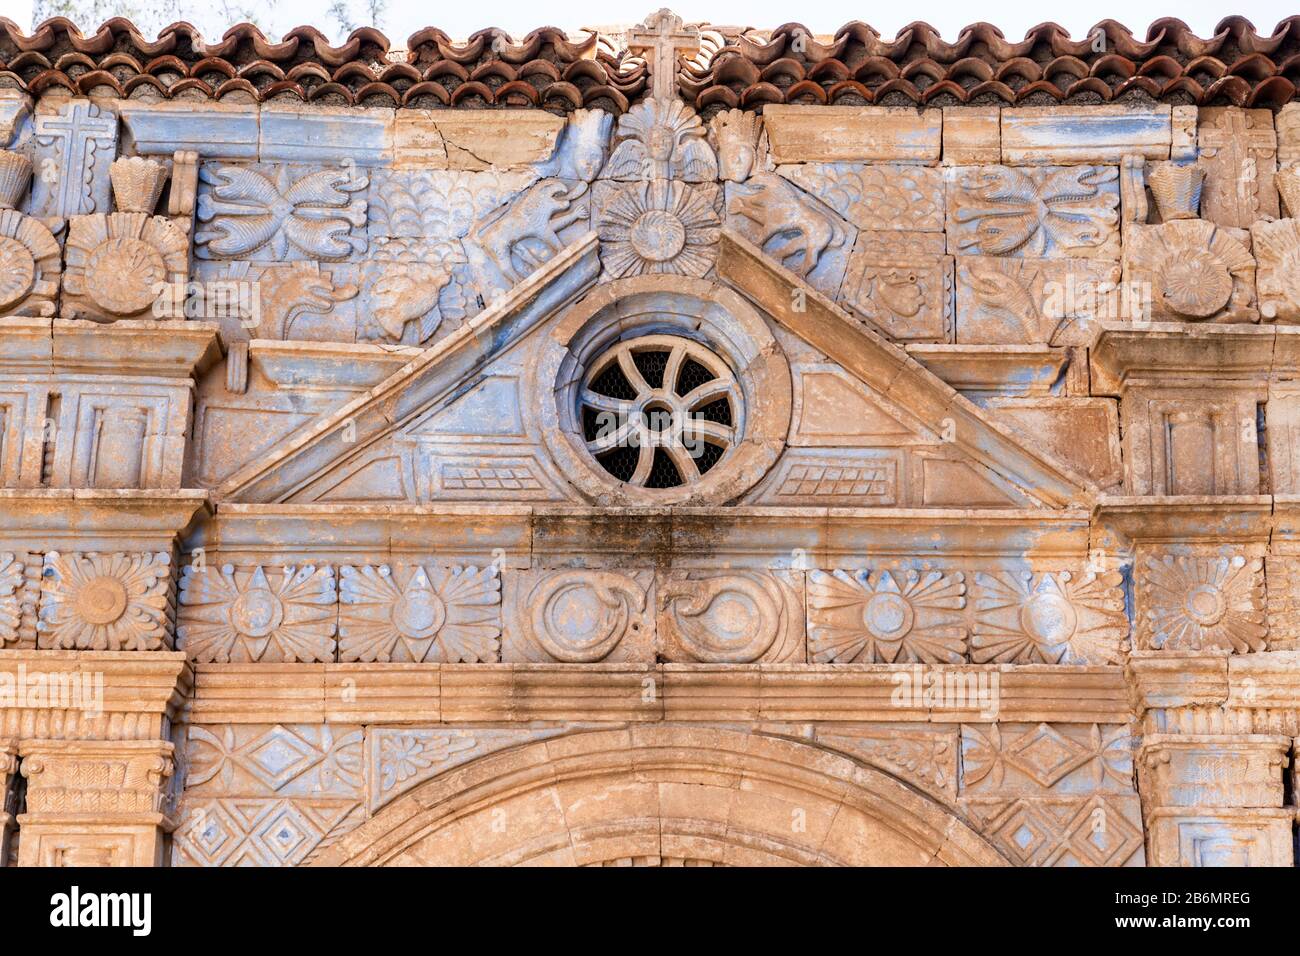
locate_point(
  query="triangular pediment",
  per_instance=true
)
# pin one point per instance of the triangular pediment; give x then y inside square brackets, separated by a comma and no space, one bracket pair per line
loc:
[867,425]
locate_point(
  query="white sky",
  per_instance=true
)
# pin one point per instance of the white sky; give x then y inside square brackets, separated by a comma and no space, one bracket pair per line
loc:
[1014,17]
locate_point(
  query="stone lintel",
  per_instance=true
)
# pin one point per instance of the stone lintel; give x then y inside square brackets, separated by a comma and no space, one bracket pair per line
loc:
[748,536]
[514,693]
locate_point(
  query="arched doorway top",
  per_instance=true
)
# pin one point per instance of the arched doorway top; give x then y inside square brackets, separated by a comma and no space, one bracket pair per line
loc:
[663,794]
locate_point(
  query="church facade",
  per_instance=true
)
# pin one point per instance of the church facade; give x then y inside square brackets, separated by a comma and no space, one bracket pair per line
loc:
[688,445]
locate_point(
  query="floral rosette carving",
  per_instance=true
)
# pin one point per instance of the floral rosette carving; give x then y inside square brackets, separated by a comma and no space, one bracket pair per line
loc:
[30,263]
[1202,603]
[886,617]
[446,614]
[733,618]
[660,226]
[578,617]
[105,602]
[1058,618]
[246,615]
[117,265]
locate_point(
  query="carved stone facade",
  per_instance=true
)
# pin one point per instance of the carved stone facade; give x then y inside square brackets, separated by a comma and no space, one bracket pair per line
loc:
[688,480]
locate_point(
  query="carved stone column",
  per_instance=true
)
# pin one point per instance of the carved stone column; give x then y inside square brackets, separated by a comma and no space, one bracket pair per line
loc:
[8,778]
[92,729]
[94,802]
[1218,739]
[1216,799]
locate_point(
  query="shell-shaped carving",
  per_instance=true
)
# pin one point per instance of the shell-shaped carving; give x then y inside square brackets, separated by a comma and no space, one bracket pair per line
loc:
[1177,189]
[137,183]
[15,173]
[1288,184]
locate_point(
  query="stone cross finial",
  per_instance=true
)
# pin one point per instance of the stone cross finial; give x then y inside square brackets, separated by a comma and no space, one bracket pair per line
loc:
[663,37]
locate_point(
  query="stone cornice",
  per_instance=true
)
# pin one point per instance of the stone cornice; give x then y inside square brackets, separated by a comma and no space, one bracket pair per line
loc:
[756,536]
[1191,355]
[517,693]
[130,347]
[92,519]
[1187,518]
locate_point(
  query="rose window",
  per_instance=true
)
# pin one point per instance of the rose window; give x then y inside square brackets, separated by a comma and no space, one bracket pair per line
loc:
[659,411]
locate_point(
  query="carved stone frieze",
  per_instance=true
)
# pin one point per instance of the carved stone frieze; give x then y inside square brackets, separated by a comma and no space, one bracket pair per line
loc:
[1194,270]
[742,617]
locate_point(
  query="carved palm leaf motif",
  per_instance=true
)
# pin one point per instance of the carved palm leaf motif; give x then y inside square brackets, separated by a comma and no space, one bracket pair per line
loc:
[1055,618]
[886,616]
[414,614]
[231,615]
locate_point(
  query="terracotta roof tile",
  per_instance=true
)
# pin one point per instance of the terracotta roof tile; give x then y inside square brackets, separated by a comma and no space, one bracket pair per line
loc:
[548,69]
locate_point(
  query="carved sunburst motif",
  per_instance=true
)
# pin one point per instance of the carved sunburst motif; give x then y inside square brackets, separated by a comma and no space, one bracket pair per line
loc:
[1197,603]
[1060,618]
[1197,270]
[251,615]
[104,602]
[886,616]
[662,226]
[418,614]
[1277,247]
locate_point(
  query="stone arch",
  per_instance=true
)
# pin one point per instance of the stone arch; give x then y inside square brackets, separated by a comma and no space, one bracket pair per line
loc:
[668,794]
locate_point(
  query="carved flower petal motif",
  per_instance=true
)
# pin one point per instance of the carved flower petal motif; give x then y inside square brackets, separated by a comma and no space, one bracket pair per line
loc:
[1059,618]
[886,616]
[415,614]
[1197,271]
[231,615]
[104,602]
[660,227]
[1201,603]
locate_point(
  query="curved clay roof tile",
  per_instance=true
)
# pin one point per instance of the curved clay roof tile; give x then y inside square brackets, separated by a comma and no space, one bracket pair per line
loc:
[97,78]
[569,94]
[450,68]
[49,79]
[73,59]
[1165,67]
[1255,67]
[1021,68]
[472,90]
[284,88]
[760,94]
[308,71]
[786,68]
[1231,88]
[331,89]
[599,94]
[1274,92]
[235,87]
[144,79]
[877,68]
[993,88]
[377,91]
[975,68]
[931,71]
[354,73]
[426,88]
[946,88]
[899,86]
[214,64]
